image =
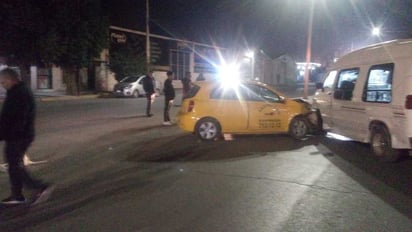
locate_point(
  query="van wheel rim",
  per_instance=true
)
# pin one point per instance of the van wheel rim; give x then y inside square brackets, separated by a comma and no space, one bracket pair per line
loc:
[207,130]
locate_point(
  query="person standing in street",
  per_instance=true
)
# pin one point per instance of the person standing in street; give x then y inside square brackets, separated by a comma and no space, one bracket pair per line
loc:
[148,86]
[186,84]
[169,92]
[17,130]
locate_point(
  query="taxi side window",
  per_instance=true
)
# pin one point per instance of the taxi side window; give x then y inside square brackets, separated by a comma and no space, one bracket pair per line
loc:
[346,84]
[224,93]
[378,87]
[260,93]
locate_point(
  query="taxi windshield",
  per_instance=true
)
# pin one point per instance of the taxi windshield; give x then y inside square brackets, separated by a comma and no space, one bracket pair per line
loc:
[246,91]
[259,93]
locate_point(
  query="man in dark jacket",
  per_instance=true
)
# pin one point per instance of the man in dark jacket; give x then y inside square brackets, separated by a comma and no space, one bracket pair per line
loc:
[17,130]
[169,92]
[186,84]
[148,86]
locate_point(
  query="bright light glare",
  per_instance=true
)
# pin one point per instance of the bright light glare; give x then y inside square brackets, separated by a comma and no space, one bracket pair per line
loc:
[376,31]
[229,74]
[250,54]
[337,137]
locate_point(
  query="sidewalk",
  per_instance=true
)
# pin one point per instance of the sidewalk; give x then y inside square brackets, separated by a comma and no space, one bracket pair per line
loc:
[60,96]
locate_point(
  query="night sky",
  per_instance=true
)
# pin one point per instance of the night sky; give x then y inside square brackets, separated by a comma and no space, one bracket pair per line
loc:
[275,26]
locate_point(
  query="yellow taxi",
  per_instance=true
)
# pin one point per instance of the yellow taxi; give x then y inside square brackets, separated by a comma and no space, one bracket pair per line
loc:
[211,109]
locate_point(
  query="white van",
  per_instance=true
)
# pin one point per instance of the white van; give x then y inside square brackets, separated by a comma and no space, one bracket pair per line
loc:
[367,96]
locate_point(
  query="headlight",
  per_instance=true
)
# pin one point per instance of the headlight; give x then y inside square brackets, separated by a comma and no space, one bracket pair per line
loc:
[229,75]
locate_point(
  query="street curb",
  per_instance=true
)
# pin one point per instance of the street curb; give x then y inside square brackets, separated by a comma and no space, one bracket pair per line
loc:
[66,98]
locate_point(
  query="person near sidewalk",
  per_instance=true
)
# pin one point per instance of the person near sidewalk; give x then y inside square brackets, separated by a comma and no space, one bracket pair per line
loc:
[17,130]
[148,86]
[186,84]
[169,92]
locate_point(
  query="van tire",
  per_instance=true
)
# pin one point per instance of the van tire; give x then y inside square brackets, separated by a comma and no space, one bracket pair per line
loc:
[381,145]
[298,127]
[208,129]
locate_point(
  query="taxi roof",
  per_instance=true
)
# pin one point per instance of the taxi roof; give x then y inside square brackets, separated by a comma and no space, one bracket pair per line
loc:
[207,85]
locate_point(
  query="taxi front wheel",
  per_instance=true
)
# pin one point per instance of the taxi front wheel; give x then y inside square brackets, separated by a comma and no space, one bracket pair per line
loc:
[208,129]
[298,128]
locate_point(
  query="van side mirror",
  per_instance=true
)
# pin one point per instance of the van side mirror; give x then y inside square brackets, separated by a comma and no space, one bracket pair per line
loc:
[319,86]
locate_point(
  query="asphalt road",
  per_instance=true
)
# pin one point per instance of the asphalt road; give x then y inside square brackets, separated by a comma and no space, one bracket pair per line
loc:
[117,170]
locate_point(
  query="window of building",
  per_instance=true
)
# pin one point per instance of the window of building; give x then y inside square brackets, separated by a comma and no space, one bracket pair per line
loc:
[346,84]
[379,84]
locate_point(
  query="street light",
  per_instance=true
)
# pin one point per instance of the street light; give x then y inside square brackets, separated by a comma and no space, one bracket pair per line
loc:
[147,37]
[308,51]
[376,31]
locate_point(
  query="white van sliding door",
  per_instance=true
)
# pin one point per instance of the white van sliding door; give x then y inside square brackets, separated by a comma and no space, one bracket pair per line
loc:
[348,116]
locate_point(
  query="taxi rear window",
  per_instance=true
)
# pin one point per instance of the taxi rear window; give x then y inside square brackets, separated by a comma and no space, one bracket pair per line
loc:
[192,92]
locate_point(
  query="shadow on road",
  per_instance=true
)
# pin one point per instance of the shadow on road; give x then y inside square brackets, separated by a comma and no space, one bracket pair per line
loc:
[358,162]
[392,182]
[188,147]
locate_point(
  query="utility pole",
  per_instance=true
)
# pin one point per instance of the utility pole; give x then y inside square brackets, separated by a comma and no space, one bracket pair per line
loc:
[147,37]
[308,52]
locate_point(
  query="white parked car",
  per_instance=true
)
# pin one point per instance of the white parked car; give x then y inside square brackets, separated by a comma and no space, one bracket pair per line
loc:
[132,86]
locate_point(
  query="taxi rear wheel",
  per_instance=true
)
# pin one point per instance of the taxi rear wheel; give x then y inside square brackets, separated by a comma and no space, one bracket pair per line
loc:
[208,129]
[298,128]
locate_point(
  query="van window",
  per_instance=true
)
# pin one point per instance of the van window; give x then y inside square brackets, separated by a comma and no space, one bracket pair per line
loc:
[346,83]
[379,84]
[330,79]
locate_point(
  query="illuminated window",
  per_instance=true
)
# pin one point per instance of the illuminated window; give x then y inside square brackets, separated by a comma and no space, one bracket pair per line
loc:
[378,87]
